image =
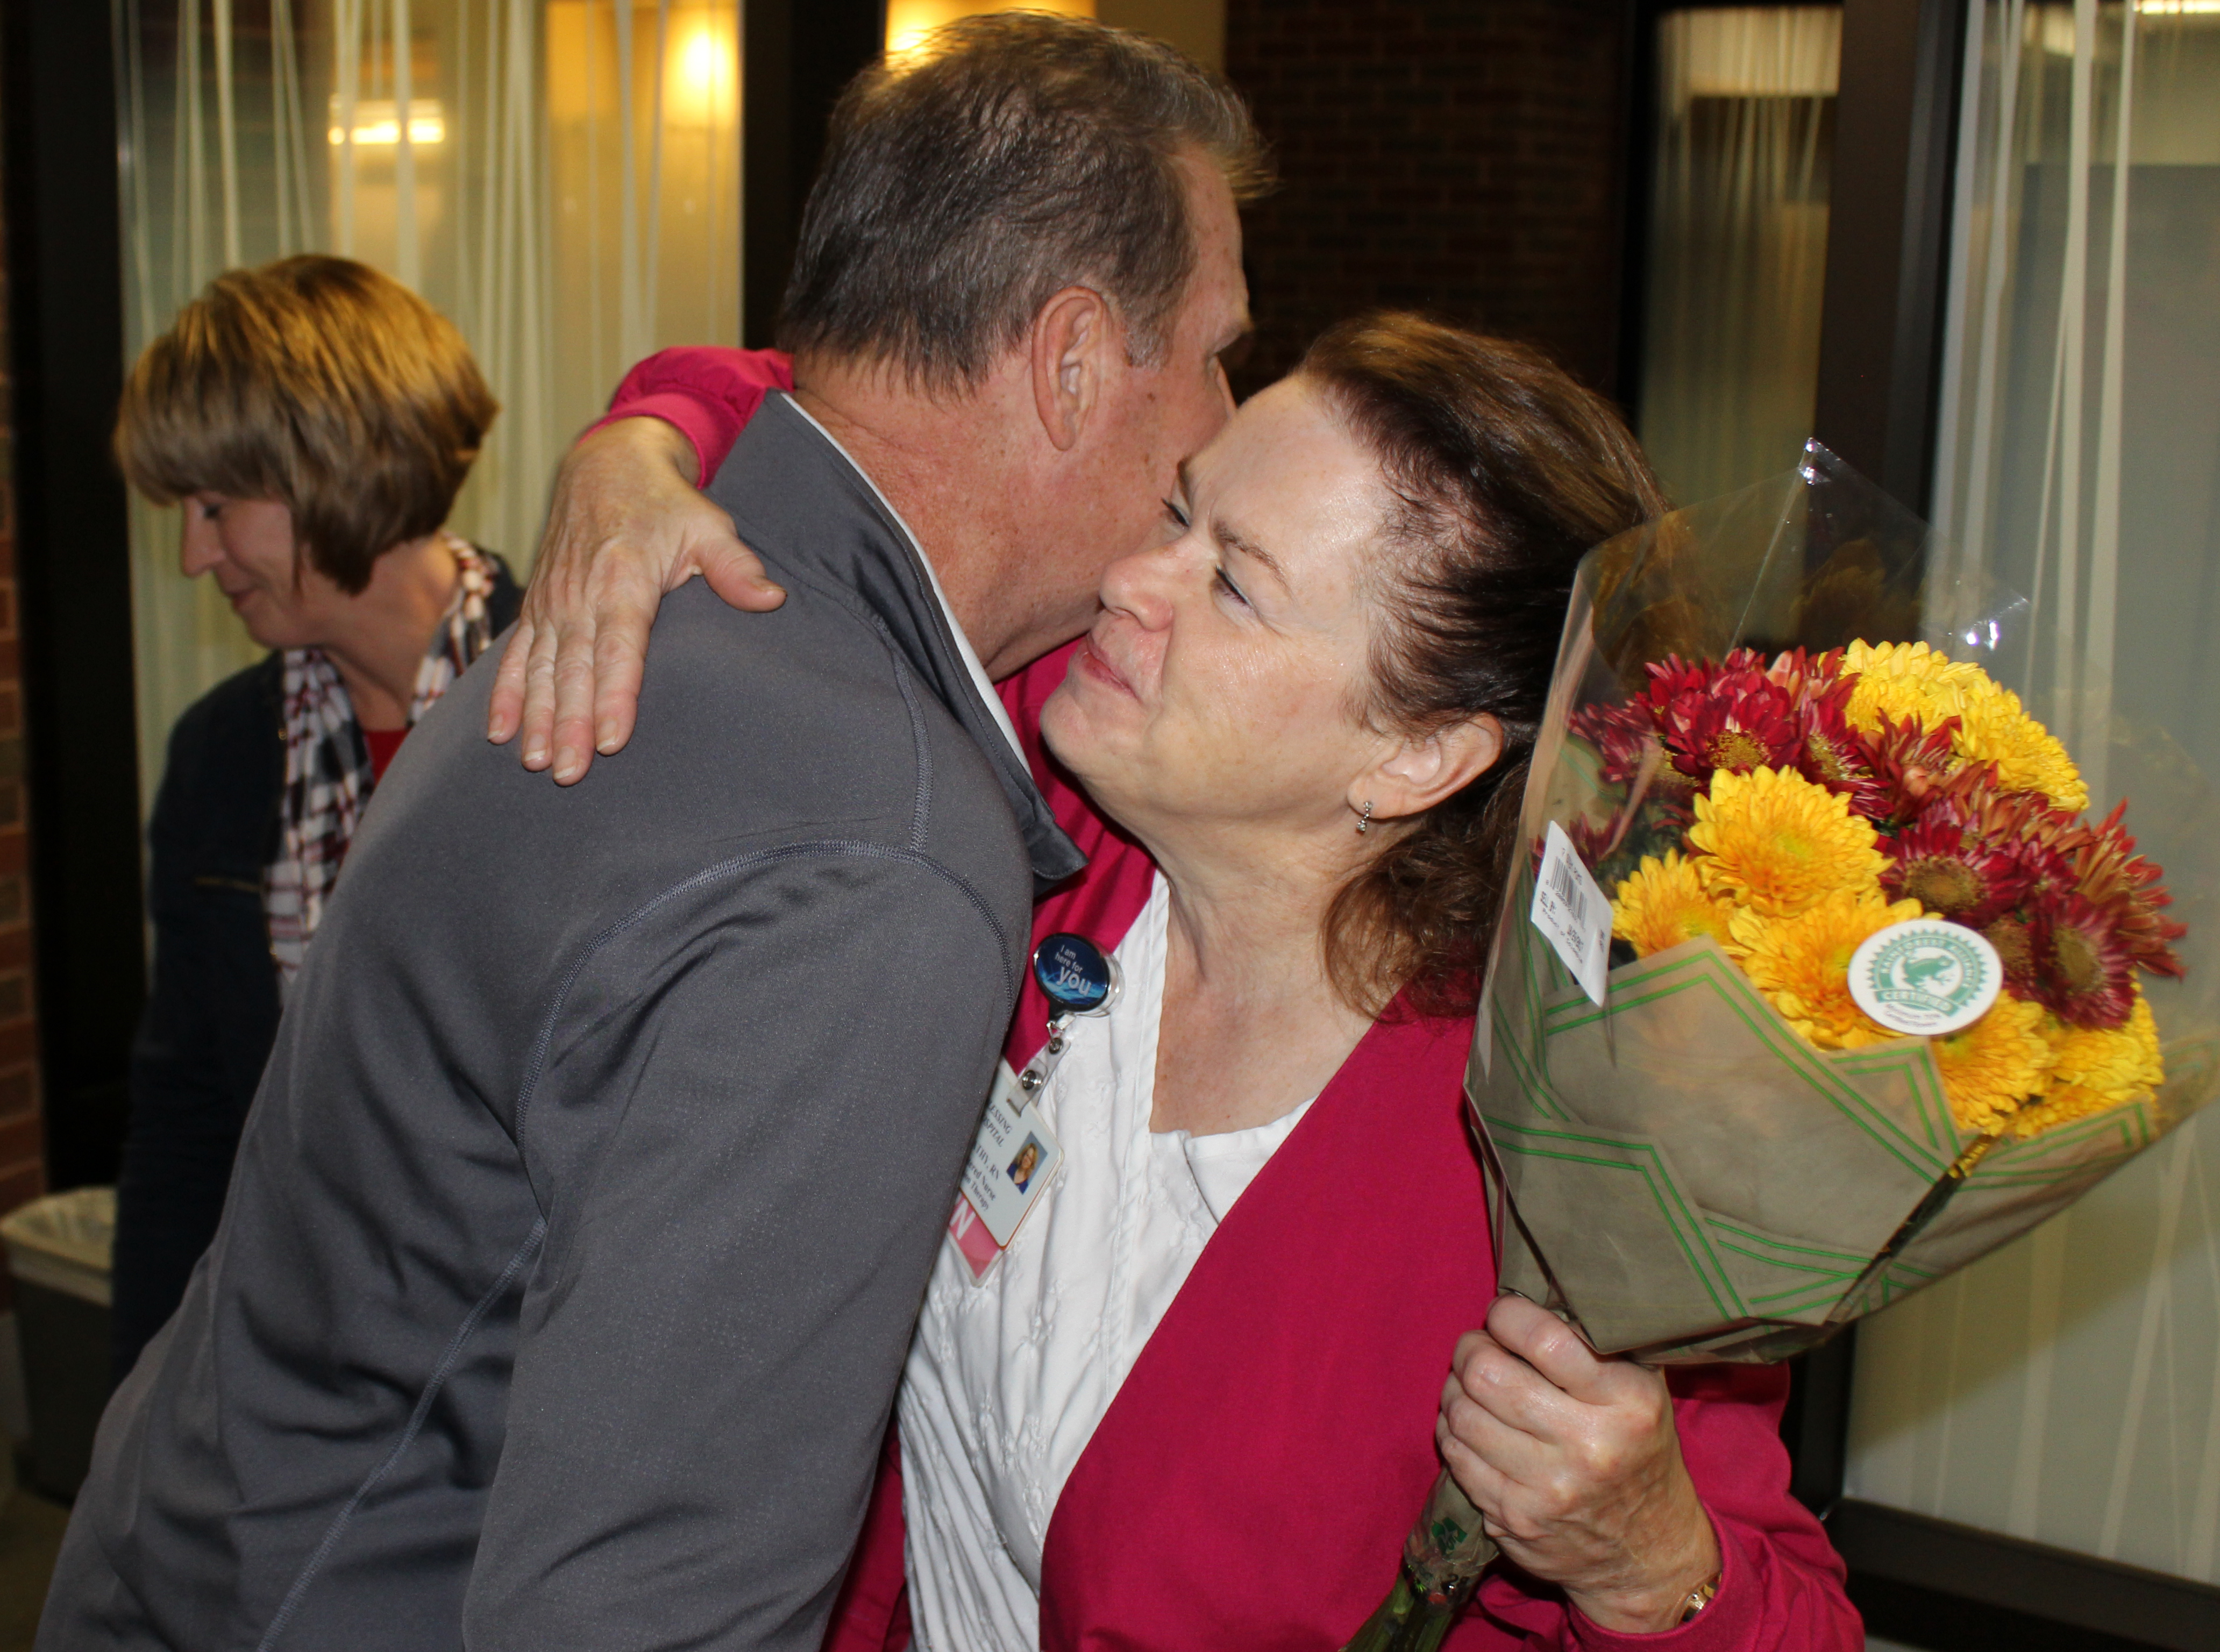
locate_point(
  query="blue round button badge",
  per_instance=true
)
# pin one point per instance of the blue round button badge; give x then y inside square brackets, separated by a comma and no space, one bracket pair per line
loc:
[1079,977]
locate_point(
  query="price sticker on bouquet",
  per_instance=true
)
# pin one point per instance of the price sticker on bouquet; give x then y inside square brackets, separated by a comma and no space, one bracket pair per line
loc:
[1570,907]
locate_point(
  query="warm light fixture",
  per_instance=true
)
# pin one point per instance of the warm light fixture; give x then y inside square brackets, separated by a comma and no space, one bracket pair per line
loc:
[378,121]
[908,22]
[698,60]
[2180,8]
[702,75]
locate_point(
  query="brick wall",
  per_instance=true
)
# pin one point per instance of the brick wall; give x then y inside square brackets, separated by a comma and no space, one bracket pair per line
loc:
[22,1163]
[1463,157]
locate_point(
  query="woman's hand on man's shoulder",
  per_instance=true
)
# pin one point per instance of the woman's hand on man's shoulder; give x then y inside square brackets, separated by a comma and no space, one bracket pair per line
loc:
[626,526]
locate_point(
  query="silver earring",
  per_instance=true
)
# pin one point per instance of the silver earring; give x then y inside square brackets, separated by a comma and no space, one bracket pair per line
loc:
[1364,824]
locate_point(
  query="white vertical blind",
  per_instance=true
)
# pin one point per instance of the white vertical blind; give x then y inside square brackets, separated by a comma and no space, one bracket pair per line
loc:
[560,177]
[1737,242]
[2067,1389]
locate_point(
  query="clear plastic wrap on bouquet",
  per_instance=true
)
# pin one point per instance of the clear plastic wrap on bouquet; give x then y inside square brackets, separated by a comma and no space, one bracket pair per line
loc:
[1675,1167]
[1679,1171]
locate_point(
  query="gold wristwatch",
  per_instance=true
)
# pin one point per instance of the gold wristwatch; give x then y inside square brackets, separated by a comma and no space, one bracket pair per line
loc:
[1698,1597]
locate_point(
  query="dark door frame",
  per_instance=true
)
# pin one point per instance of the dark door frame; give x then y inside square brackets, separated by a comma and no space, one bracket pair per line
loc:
[74,569]
[1888,237]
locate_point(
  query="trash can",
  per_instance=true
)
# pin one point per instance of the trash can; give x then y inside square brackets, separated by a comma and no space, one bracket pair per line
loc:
[60,1250]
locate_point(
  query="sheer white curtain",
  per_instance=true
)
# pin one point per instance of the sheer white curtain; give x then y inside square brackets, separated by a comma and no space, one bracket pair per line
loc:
[560,177]
[1737,241]
[2068,1388]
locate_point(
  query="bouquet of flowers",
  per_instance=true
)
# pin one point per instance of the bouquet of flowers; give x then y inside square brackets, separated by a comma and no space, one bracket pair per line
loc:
[1805,804]
[1818,980]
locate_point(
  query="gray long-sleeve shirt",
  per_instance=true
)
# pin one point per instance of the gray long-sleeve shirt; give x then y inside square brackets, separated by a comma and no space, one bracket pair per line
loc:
[581,1217]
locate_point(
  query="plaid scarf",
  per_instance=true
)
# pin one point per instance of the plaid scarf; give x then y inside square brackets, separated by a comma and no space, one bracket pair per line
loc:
[327,772]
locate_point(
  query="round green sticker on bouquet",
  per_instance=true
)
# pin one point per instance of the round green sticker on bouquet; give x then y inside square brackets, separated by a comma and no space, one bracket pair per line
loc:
[1925,976]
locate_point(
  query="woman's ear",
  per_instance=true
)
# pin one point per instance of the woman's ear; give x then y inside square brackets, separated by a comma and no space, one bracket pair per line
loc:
[1069,333]
[1419,771]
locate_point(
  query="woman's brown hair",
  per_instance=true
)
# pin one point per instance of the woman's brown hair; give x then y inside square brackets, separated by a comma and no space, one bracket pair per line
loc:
[1505,472]
[319,382]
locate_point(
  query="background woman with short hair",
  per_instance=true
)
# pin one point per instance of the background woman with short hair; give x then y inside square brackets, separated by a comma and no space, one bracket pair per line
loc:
[314,420]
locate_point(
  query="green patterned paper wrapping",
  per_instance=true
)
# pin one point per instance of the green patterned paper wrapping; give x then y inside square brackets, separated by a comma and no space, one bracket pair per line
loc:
[1692,1180]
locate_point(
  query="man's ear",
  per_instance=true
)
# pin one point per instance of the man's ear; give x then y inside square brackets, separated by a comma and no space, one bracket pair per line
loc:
[1072,336]
[1418,771]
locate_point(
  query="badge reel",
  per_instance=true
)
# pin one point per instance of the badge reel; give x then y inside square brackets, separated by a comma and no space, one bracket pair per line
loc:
[1078,978]
[1017,1155]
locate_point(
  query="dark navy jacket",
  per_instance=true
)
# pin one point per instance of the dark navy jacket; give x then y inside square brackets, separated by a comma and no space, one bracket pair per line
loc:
[212,1013]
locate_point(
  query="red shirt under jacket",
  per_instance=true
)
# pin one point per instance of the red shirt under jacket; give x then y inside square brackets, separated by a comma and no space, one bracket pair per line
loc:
[384,745]
[1251,1483]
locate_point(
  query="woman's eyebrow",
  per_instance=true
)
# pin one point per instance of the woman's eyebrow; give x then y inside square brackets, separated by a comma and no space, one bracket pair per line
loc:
[1225,534]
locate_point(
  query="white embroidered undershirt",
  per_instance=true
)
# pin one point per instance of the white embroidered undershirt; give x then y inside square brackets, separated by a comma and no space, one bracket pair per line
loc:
[1008,1379]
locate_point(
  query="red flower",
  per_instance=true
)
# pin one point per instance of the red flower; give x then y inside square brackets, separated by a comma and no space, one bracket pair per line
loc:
[2040,838]
[1622,735]
[2108,873]
[2088,913]
[1593,841]
[1951,872]
[1728,716]
[1806,676]
[1912,768]
[2086,968]
[1833,754]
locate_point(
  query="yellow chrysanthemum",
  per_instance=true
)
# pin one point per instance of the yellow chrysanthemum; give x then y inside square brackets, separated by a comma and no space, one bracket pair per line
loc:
[1994,1066]
[1995,728]
[1908,681]
[1663,903]
[2094,1069]
[1775,842]
[1802,964]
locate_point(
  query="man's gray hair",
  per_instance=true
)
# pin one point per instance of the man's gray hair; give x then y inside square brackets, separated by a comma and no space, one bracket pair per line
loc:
[1014,155]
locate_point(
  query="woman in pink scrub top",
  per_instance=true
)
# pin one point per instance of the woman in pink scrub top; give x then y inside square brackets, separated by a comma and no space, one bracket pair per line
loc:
[1199,1399]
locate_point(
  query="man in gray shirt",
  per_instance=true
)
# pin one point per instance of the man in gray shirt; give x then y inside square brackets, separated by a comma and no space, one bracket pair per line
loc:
[581,1220]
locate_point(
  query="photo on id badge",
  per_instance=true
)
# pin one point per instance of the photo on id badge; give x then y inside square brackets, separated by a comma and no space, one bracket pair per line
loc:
[1027,1161]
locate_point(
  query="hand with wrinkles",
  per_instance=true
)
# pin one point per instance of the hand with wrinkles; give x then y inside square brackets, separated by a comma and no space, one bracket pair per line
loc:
[1573,1461]
[626,526]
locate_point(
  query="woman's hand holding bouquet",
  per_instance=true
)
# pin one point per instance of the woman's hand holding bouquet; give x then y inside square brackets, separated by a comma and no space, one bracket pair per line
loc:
[1573,1463]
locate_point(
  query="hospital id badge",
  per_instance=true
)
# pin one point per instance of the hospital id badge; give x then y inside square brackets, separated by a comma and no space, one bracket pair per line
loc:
[1012,1160]
[1016,1153]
